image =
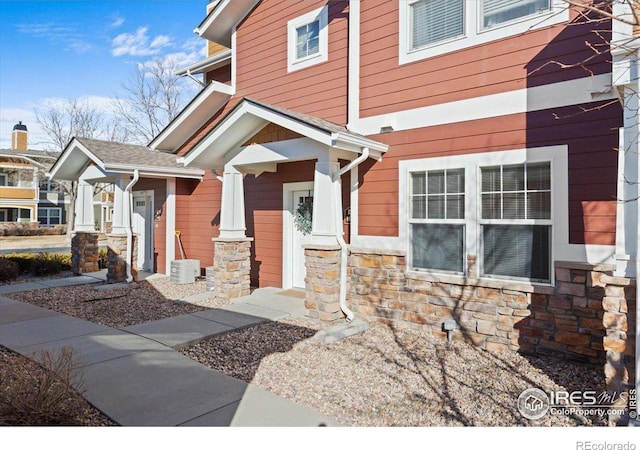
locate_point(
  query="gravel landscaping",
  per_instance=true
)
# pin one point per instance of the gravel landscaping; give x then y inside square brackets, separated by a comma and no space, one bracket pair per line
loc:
[382,377]
[386,377]
[144,301]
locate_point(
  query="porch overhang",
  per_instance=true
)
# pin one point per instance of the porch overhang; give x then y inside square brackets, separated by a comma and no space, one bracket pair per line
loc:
[99,161]
[250,116]
[223,18]
[192,117]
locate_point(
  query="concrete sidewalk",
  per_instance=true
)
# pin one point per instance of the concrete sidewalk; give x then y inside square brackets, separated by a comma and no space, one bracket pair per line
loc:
[135,376]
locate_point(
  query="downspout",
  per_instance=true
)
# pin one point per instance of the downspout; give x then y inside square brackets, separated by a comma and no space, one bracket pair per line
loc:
[219,177]
[194,78]
[344,254]
[129,194]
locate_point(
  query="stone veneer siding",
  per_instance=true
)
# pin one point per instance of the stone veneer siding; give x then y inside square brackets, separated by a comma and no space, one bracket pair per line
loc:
[232,267]
[588,316]
[84,252]
[322,282]
[117,258]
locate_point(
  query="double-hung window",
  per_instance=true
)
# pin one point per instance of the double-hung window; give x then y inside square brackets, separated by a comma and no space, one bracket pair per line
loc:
[507,211]
[516,221]
[433,27]
[49,216]
[308,39]
[437,220]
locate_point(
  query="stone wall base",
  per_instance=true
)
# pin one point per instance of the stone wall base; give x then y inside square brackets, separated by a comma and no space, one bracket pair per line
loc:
[117,258]
[588,316]
[84,252]
[322,282]
[232,267]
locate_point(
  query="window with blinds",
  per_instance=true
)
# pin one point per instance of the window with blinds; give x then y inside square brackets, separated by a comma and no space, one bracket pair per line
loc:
[437,220]
[516,220]
[434,21]
[496,12]
[308,39]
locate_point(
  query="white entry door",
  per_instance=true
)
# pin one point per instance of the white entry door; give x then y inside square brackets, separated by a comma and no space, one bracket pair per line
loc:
[294,238]
[143,227]
[300,237]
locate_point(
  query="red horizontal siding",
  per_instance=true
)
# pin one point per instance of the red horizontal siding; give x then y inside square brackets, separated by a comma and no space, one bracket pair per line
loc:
[499,66]
[591,138]
[261,70]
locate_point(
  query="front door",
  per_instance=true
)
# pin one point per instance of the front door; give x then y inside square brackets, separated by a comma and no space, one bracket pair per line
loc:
[296,231]
[143,227]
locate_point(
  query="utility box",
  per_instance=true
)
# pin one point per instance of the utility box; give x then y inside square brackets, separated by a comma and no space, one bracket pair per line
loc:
[185,271]
[210,278]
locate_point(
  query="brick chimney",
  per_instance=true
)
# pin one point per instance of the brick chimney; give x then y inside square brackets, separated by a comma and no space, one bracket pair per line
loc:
[19,137]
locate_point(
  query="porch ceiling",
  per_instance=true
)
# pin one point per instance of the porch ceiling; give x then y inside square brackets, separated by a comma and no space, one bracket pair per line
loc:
[226,139]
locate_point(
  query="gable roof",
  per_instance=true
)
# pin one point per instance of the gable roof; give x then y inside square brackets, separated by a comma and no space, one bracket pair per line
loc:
[114,157]
[209,100]
[220,22]
[249,116]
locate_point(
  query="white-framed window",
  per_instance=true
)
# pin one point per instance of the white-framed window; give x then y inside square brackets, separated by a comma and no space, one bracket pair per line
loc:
[508,210]
[433,27]
[3,179]
[49,216]
[308,39]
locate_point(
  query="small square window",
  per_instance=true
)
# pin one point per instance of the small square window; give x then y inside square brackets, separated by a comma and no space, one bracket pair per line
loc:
[308,39]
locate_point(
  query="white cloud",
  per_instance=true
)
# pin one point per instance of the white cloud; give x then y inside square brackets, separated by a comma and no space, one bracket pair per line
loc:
[116,22]
[138,43]
[66,36]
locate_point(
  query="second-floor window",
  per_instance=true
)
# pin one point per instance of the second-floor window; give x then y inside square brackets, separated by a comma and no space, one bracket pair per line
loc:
[432,27]
[308,38]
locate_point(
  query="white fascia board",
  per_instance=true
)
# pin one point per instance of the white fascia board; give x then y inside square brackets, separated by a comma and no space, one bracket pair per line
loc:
[212,62]
[277,152]
[72,170]
[219,24]
[156,171]
[193,116]
[556,95]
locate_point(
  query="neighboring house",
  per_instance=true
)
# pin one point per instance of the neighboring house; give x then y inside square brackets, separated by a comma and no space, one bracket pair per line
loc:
[474,176]
[26,195]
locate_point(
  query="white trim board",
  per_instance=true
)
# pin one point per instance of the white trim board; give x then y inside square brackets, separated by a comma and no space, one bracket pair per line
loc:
[556,95]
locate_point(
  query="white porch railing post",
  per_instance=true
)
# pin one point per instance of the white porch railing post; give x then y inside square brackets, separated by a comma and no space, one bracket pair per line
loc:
[84,208]
[232,213]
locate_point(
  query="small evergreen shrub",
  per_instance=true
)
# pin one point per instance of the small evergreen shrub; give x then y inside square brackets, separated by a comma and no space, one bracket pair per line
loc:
[9,270]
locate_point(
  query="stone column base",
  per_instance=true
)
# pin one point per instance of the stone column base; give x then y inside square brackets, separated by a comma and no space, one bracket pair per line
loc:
[117,258]
[322,283]
[84,252]
[232,267]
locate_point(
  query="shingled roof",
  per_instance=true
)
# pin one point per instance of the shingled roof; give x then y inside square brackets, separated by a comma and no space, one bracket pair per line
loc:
[128,154]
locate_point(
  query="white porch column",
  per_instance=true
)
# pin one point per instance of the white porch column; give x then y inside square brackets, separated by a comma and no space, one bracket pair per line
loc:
[323,229]
[232,221]
[84,220]
[119,219]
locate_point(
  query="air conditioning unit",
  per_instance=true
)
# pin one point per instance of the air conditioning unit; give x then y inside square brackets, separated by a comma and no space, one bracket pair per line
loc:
[185,271]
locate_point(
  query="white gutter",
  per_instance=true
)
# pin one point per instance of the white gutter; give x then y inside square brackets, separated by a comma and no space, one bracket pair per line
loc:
[337,186]
[129,194]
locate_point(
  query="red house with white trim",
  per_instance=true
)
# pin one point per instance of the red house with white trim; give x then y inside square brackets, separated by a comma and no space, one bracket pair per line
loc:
[413,161]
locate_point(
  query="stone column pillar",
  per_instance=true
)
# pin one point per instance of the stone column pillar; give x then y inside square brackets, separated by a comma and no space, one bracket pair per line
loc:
[117,258]
[84,220]
[232,221]
[232,267]
[84,252]
[322,283]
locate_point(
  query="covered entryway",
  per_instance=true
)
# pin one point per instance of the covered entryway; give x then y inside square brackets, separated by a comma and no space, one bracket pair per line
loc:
[271,143]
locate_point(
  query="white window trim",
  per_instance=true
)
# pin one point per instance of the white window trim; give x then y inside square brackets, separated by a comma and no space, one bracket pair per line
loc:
[48,210]
[293,63]
[556,155]
[4,178]
[474,33]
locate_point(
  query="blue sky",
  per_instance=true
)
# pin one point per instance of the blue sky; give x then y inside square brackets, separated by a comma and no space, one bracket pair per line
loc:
[84,49]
